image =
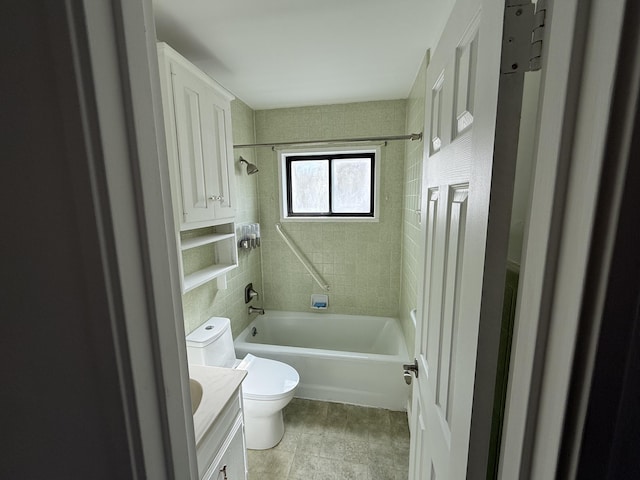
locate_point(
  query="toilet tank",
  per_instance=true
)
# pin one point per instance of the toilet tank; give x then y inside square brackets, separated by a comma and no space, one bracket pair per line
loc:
[212,344]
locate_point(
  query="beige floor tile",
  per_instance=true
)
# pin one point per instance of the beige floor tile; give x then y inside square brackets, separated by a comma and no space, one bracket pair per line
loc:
[398,417]
[327,441]
[378,432]
[315,426]
[381,453]
[334,426]
[265,476]
[399,424]
[357,451]
[309,444]
[353,471]
[400,439]
[401,454]
[402,473]
[337,411]
[289,442]
[356,429]
[303,467]
[317,409]
[269,462]
[333,447]
[257,459]
[357,414]
[295,423]
[382,472]
[327,470]
[379,416]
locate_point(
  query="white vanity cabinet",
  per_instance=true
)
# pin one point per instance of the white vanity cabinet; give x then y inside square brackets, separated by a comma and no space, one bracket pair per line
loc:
[197,118]
[225,441]
[219,424]
[230,464]
[197,114]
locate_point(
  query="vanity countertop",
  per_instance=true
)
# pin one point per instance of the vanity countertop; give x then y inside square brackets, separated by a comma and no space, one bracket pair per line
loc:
[218,386]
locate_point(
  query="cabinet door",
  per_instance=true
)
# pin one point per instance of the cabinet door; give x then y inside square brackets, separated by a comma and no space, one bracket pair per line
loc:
[194,123]
[232,464]
[223,145]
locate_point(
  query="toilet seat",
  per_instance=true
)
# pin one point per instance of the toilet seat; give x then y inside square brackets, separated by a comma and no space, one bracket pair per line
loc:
[267,379]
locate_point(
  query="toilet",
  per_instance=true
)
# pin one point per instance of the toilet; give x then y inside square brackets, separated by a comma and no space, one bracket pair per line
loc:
[268,387]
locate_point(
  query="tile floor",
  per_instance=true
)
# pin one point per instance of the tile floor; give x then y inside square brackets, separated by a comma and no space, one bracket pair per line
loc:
[333,441]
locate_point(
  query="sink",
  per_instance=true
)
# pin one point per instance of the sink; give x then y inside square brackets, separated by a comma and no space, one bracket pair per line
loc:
[196,394]
[210,388]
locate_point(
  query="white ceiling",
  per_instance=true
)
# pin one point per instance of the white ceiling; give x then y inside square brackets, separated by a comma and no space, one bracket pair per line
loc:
[286,53]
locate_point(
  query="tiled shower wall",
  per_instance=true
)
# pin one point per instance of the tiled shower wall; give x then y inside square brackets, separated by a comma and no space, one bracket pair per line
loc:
[411,236]
[207,301]
[360,261]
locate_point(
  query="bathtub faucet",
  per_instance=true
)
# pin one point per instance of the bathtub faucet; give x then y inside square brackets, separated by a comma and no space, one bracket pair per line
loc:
[259,311]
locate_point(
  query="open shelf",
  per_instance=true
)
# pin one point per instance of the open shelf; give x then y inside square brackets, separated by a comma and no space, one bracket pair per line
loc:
[204,240]
[201,277]
[207,253]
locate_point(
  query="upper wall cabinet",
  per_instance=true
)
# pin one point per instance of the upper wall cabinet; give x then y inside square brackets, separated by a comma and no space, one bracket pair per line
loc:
[199,142]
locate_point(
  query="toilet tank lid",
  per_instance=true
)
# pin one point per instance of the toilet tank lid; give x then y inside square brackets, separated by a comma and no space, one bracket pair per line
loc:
[208,332]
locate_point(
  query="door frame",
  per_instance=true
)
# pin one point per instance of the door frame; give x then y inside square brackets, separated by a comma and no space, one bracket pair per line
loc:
[122,68]
[601,435]
[532,430]
[579,60]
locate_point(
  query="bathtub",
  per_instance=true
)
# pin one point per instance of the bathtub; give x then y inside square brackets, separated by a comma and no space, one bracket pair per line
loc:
[341,358]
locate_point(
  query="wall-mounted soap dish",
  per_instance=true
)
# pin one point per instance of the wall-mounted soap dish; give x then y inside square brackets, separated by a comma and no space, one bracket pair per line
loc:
[319,301]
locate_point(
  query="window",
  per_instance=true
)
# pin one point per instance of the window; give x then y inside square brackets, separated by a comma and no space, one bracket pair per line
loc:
[329,185]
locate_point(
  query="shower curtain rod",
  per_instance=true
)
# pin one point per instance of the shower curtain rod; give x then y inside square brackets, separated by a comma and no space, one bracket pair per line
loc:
[411,136]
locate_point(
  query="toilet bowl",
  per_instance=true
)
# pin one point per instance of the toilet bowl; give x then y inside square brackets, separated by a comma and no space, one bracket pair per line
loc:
[268,387]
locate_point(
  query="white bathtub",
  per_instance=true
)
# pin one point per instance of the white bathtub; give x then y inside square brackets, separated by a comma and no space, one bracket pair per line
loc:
[342,358]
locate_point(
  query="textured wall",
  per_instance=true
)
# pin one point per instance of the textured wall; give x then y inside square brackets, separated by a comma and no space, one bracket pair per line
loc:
[207,301]
[411,231]
[360,261]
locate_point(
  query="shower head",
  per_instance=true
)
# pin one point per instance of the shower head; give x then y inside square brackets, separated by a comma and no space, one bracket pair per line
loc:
[251,168]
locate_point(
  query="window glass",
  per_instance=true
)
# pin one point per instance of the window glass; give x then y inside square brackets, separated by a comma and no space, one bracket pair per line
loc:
[310,186]
[329,185]
[351,185]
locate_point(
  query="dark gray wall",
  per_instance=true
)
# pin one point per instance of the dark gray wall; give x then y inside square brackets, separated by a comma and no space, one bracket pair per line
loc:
[61,407]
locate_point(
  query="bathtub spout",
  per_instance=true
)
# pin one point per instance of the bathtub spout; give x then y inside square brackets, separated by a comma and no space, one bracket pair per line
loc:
[259,311]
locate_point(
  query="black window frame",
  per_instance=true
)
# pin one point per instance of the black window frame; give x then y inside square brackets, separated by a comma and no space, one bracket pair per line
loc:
[289,159]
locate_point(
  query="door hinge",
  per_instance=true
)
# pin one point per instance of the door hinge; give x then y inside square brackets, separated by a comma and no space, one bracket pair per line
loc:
[522,37]
[537,34]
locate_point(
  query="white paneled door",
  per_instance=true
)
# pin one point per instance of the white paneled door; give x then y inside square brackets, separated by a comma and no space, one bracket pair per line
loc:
[472,120]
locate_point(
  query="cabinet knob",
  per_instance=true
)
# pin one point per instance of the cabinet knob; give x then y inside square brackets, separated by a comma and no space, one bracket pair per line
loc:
[216,198]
